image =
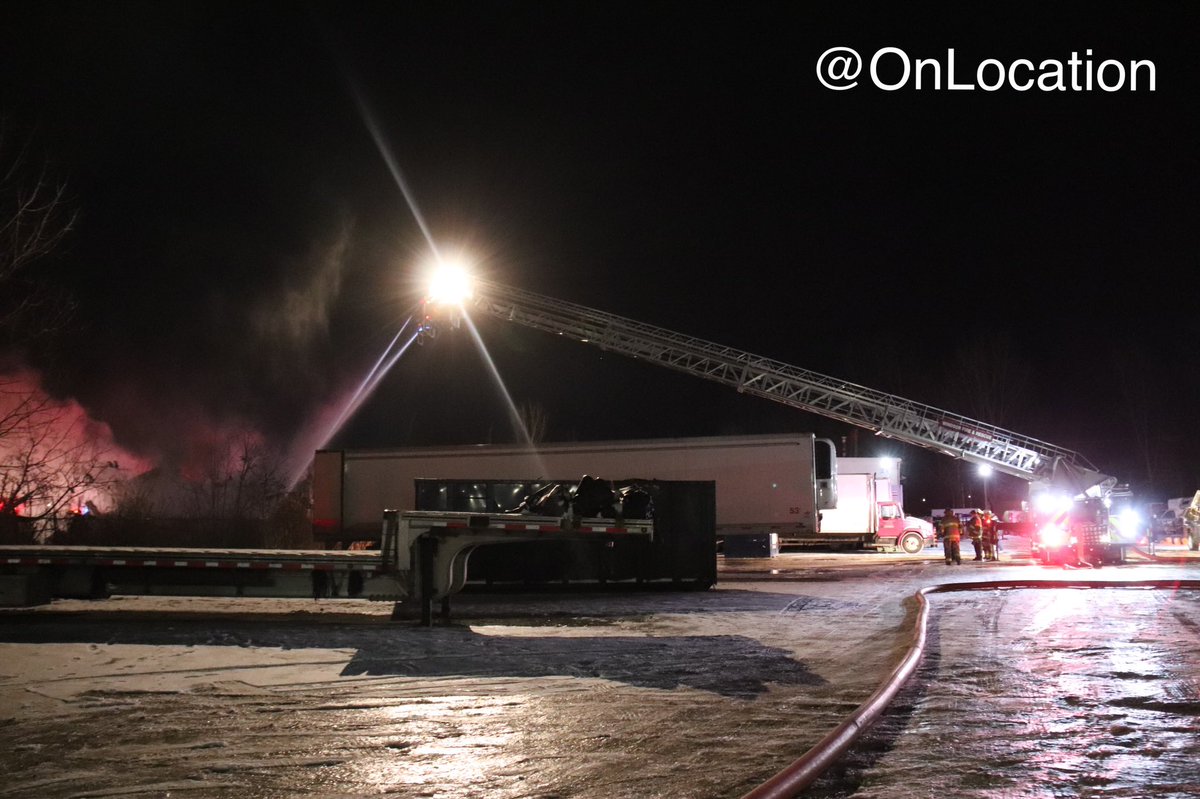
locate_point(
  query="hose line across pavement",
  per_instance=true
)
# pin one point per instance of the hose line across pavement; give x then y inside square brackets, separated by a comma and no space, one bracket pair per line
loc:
[805,770]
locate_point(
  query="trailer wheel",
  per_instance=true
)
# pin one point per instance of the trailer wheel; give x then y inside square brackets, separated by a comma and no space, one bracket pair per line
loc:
[912,543]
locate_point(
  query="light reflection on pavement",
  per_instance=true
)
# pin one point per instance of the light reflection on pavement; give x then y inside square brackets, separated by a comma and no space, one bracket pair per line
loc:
[1058,692]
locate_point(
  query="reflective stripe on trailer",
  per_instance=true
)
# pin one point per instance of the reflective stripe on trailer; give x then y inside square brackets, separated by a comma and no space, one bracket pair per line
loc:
[192,564]
[525,528]
[457,525]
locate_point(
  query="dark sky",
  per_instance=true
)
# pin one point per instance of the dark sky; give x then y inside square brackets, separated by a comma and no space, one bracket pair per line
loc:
[243,251]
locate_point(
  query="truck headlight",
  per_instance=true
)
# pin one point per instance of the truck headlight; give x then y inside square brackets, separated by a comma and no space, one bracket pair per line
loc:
[1052,536]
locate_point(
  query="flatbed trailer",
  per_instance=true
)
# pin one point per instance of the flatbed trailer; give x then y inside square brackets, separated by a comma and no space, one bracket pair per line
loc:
[422,559]
[188,558]
[428,550]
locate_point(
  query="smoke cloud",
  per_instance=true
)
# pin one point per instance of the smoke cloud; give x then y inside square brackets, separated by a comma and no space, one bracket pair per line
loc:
[54,456]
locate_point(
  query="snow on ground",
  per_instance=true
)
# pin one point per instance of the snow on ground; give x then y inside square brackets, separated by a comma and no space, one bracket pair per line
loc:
[671,694]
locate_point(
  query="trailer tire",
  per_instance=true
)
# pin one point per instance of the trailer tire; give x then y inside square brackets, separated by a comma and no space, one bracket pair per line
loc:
[912,543]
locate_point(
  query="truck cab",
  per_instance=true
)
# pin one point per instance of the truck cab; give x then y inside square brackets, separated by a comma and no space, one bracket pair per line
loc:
[906,533]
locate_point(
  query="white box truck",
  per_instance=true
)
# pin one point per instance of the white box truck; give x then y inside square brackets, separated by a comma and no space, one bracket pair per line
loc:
[865,511]
[764,484]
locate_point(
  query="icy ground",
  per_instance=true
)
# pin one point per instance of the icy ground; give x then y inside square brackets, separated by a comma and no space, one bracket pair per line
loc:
[1035,693]
[1024,693]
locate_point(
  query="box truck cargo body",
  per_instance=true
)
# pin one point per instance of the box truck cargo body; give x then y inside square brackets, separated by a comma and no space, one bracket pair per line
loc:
[884,468]
[764,484]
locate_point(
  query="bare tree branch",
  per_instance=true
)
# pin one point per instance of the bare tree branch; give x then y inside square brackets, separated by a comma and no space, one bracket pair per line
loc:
[535,419]
[50,461]
[34,220]
[243,481]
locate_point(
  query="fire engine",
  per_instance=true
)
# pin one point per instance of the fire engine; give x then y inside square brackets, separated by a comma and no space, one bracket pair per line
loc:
[1085,531]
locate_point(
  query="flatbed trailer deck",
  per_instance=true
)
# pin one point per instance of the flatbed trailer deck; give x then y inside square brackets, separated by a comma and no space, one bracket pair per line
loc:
[422,558]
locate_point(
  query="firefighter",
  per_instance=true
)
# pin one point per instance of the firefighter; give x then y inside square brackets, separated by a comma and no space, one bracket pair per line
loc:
[991,539]
[950,530]
[975,530]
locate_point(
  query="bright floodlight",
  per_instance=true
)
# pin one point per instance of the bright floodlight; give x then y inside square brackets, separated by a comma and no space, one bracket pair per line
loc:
[1129,524]
[1051,502]
[450,284]
[985,470]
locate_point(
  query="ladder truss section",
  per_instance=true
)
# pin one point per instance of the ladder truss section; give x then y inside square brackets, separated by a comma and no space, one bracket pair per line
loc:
[884,414]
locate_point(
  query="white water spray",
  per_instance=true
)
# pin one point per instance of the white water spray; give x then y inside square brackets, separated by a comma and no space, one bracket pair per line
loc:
[390,356]
[382,366]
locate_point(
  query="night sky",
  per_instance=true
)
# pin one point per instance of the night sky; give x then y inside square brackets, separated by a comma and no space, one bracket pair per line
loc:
[243,252]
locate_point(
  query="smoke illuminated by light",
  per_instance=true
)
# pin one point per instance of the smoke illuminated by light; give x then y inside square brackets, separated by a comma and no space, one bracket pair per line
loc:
[54,456]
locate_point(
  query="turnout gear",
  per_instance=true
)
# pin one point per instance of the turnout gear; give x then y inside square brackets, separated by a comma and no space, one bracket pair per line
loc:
[950,529]
[991,537]
[975,530]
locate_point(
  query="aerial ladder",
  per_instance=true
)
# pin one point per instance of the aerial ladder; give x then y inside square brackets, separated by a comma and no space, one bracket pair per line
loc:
[1044,465]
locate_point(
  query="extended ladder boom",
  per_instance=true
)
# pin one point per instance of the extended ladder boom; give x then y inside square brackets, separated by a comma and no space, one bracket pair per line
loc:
[884,414]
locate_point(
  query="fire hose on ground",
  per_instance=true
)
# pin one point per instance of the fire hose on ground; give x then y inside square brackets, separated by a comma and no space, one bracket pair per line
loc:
[805,770]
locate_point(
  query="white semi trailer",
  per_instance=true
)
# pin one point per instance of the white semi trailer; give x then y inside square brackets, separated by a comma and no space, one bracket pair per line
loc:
[764,483]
